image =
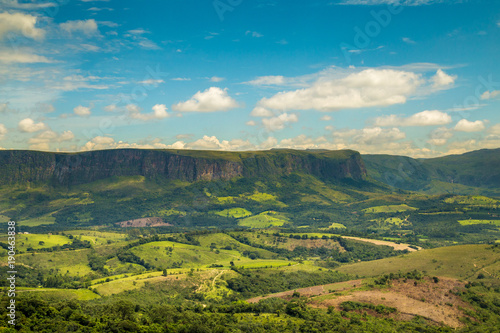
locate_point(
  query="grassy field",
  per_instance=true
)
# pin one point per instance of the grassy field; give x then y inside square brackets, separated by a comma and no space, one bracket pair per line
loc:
[337,226]
[68,294]
[234,212]
[460,262]
[71,262]
[98,237]
[37,241]
[471,222]
[389,209]
[264,220]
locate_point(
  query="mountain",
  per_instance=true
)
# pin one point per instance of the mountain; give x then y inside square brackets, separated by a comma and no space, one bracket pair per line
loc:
[21,167]
[475,172]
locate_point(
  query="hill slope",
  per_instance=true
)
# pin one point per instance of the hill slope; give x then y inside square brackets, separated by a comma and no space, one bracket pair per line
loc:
[475,172]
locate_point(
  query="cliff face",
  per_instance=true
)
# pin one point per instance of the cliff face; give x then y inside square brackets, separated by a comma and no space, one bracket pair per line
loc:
[77,168]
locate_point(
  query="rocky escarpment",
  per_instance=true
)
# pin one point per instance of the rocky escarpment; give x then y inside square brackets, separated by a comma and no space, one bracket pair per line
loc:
[21,166]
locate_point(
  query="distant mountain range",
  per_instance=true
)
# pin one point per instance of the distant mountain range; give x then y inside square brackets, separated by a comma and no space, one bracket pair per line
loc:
[476,172]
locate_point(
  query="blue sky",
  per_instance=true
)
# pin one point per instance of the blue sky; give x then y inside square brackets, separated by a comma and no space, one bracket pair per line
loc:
[410,77]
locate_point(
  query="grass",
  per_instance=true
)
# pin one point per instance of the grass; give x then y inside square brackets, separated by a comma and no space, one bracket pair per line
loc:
[264,220]
[337,226]
[460,262]
[68,294]
[389,209]
[23,242]
[472,222]
[98,237]
[234,212]
[71,262]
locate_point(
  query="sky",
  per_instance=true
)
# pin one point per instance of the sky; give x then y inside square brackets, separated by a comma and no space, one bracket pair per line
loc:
[409,77]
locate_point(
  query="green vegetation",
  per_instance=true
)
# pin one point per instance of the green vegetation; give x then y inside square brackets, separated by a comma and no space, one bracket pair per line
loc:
[389,209]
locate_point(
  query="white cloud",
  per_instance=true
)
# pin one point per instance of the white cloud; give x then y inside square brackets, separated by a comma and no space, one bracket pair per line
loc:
[494,130]
[441,79]
[440,136]
[151,82]
[43,140]
[20,23]
[326,118]
[268,80]
[210,100]
[110,108]
[377,135]
[261,112]
[424,118]
[28,125]
[251,123]
[82,111]
[14,4]
[269,143]
[87,27]
[490,94]
[3,131]
[469,126]
[279,122]
[253,34]
[181,79]
[370,87]
[10,57]
[159,112]
[408,40]
[216,79]
[4,107]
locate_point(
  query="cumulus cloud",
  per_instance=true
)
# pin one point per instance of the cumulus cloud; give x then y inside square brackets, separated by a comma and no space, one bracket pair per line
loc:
[20,23]
[251,123]
[3,131]
[424,118]
[370,87]
[43,140]
[261,112]
[211,100]
[465,125]
[159,112]
[375,135]
[86,27]
[28,125]
[82,111]
[326,118]
[279,122]
[490,94]
[441,79]
[440,136]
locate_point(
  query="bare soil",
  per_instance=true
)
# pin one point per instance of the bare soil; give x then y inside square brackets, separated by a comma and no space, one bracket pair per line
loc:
[396,246]
[427,299]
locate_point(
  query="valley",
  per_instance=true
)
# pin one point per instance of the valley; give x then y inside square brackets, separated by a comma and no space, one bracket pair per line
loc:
[279,240]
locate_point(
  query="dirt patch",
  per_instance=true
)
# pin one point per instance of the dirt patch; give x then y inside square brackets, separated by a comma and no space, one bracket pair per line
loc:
[311,291]
[396,246]
[144,222]
[427,299]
